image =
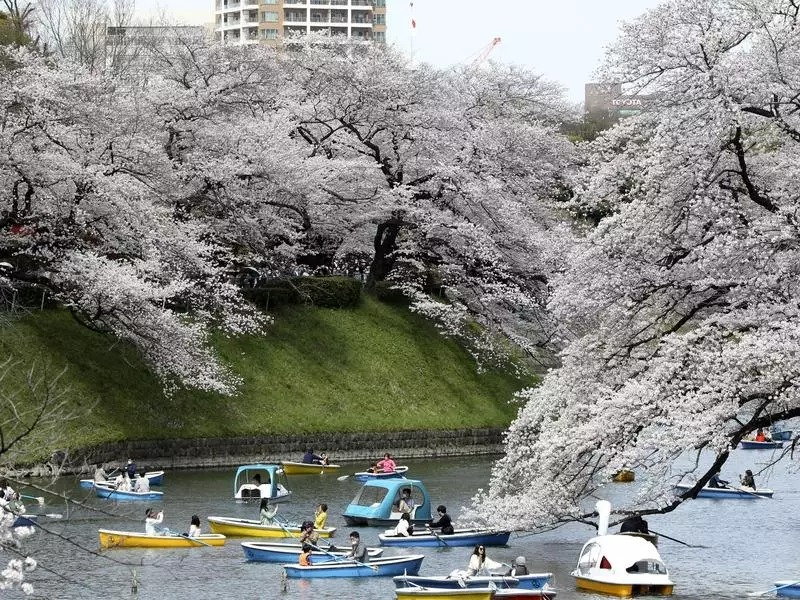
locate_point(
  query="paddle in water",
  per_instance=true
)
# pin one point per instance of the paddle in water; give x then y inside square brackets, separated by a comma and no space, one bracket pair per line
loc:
[676,540]
[774,589]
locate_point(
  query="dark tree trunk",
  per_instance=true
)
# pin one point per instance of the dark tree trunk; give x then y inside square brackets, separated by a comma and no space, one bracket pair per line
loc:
[383,258]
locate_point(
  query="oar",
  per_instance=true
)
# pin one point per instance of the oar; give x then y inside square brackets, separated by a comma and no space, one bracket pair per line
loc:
[436,535]
[738,489]
[39,499]
[342,477]
[675,540]
[780,587]
[188,537]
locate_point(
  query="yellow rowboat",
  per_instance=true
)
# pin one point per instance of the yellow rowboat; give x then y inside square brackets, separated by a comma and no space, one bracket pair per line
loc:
[411,593]
[250,528]
[134,539]
[623,476]
[298,468]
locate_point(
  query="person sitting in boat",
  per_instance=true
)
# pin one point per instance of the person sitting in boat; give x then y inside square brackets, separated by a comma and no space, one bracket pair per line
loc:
[321,516]
[748,480]
[444,522]
[760,436]
[305,556]
[194,526]
[123,483]
[406,502]
[716,482]
[141,485]
[387,465]
[152,518]
[308,534]
[479,562]
[404,527]
[358,550]
[310,458]
[634,524]
[518,567]
[130,469]
[373,468]
[100,475]
[266,512]
[8,492]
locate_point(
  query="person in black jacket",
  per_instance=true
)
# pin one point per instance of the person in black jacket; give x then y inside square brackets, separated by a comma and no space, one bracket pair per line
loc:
[444,522]
[636,524]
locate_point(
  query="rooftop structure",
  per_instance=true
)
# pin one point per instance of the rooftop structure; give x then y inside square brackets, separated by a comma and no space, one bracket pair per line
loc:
[269,21]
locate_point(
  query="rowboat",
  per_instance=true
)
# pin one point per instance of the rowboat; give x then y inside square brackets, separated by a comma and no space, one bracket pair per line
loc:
[153,477]
[377,500]
[299,468]
[545,593]
[367,475]
[380,567]
[787,589]
[767,445]
[461,537]
[281,553]
[620,565]
[249,528]
[410,593]
[532,581]
[135,539]
[253,482]
[103,490]
[623,476]
[730,493]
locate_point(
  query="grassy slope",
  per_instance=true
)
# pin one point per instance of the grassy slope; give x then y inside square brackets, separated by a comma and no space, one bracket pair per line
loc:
[373,368]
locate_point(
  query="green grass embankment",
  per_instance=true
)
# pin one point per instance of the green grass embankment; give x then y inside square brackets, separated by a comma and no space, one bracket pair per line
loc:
[374,368]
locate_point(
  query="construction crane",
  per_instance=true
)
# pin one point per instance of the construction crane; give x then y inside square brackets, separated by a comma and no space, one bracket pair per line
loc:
[484,53]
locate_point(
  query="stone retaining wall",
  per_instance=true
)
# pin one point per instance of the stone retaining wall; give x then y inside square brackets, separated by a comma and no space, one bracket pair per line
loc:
[226,452]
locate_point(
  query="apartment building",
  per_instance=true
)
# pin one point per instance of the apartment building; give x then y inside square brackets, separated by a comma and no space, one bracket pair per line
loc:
[269,21]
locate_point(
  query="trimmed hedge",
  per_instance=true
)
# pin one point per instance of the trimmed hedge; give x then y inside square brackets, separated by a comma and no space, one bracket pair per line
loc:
[326,292]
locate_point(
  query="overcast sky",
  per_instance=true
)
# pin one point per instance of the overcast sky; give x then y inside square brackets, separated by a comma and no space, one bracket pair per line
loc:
[563,39]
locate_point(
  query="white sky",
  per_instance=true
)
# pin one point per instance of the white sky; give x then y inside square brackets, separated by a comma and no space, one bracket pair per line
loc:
[563,39]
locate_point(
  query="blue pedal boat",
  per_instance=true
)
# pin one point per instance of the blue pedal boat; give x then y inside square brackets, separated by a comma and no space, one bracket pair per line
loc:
[460,537]
[108,492]
[380,567]
[253,482]
[276,552]
[377,500]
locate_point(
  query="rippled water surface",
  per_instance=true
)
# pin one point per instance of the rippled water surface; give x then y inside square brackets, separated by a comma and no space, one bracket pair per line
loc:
[748,543]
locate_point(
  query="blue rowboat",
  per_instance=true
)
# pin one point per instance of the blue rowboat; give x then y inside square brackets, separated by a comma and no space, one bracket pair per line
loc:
[787,589]
[532,581]
[380,567]
[461,537]
[366,475]
[153,477]
[754,445]
[731,493]
[377,500]
[108,492]
[276,552]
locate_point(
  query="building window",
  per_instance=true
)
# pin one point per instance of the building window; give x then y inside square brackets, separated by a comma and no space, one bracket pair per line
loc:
[378,3]
[379,19]
[269,17]
[269,34]
[379,36]
[269,1]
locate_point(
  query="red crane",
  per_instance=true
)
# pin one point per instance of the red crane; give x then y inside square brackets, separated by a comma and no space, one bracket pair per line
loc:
[484,53]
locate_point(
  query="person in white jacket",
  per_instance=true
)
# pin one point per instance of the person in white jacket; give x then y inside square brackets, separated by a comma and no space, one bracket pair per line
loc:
[478,561]
[403,527]
[151,520]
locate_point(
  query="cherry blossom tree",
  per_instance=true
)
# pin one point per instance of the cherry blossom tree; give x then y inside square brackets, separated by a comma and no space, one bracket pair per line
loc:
[678,312]
[450,175]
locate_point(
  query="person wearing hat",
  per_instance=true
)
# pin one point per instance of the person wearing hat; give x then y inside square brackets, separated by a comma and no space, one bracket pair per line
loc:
[518,567]
[131,469]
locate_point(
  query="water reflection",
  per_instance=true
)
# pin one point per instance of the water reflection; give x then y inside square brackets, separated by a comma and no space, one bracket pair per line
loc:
[747,546]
